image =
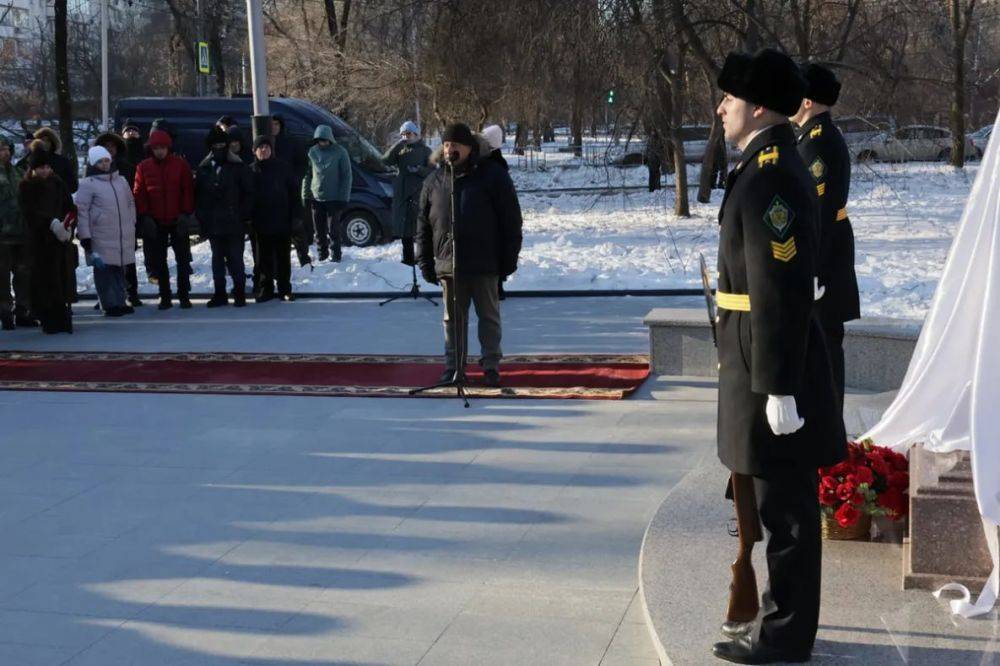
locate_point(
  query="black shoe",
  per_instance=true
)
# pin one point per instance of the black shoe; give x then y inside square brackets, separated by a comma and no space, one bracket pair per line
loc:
[114,312]
[7,322]
[448,376]
[128,309]
[324,254]
[165,303]
[23,321]
[185,302]
[239,300]
[492,378]
[265,296]
[135,302]
[746,651]
[218,301]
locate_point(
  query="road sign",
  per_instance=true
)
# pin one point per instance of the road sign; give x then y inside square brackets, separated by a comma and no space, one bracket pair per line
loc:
[204,59]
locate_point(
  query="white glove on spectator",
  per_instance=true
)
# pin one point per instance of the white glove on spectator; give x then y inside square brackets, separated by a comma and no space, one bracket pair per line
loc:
[59,231]
[783,415]
[818,291]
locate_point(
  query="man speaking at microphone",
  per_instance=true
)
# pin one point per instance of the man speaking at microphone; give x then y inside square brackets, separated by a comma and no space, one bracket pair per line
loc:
[779,413]
[487,227]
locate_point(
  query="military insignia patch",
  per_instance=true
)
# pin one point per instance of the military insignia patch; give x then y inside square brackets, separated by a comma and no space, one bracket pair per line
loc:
[821,189]
[779,217]
[784,251]
[767,156]
[817,168]
[816,131]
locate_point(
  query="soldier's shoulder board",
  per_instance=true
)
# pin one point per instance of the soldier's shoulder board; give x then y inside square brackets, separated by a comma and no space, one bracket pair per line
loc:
[816,131]
[767,156]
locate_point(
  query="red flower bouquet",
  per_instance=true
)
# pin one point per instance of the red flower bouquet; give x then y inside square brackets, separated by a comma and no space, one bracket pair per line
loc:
[873,480]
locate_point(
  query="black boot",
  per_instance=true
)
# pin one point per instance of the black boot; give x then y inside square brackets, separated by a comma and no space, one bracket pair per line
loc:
[184,301]
[218,300]
[165,303]
[239,300]
[7,321]
[25,321]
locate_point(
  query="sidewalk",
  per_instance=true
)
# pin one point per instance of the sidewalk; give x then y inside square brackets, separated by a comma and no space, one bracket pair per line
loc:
[153,529]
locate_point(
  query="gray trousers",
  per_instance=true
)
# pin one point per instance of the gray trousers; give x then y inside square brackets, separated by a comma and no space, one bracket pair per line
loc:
[480,290]
[14,260]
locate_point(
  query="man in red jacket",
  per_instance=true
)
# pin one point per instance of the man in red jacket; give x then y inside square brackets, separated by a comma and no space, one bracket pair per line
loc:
[164,198]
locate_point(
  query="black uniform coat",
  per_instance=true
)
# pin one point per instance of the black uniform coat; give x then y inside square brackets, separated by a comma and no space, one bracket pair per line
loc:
[487,220]
[767,249]
[52,288]
[824,152]
[412,161]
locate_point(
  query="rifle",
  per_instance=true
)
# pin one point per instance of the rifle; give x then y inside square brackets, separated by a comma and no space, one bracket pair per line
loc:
[709,301]
[744,603]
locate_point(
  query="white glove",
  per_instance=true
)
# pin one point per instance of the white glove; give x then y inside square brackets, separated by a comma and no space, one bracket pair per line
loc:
[818,291]
[60,232]
[783,415]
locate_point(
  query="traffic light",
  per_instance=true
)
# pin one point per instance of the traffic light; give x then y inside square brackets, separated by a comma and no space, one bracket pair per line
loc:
[611,97]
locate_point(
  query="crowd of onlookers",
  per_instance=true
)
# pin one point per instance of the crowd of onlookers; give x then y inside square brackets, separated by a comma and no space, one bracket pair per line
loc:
[137,193]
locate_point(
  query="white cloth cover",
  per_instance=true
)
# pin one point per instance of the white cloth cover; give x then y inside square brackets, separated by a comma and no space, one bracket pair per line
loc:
[949,397]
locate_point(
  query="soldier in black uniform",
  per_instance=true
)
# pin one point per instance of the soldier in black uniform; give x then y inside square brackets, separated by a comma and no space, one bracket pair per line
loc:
[779,415]
[825,154]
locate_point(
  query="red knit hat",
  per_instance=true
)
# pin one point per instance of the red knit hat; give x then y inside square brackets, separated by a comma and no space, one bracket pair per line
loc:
[159,138]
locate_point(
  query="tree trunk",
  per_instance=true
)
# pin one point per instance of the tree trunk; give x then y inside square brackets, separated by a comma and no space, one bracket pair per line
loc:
[708,161]
[64,95]
[959,33]
[215,44]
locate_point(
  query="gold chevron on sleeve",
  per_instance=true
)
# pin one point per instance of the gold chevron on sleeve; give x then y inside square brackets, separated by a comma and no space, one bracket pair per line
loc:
[784,251]
[821,189]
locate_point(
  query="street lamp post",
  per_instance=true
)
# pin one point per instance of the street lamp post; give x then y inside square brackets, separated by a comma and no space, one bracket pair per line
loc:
[105,115]
[258,69]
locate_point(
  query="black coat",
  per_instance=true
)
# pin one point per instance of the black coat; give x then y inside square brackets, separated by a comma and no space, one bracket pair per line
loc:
[275,197]
[825,154]
[768,251]
[223,196]
[52,286]
[487,220]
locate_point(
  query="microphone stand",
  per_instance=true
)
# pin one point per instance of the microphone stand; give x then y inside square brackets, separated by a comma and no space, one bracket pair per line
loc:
[458,380]
[413,292]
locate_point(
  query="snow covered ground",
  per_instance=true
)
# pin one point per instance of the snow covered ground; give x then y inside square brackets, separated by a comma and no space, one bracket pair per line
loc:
[904,218]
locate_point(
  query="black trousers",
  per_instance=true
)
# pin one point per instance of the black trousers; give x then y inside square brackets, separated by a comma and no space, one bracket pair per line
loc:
[275,261]
[227,255]
[131,282]
[326,219]
[172,236]
[835,345]
[789,510]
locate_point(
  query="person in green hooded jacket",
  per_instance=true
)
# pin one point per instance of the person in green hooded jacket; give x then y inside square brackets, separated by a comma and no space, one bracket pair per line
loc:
[327,186]
[13,246]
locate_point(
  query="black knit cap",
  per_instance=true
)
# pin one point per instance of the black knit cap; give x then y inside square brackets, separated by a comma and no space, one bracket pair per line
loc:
[262,141]
[128,124]
[768,78]
[216,135]
[458,133]
[823,85]
[234,134]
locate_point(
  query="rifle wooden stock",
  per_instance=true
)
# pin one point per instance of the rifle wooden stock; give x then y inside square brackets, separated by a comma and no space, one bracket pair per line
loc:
[744,602]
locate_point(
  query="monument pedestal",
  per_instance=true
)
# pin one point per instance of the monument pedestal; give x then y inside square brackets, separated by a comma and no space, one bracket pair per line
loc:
[946,542]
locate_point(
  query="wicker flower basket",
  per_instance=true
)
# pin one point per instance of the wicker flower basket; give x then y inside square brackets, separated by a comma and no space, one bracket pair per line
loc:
[859,531]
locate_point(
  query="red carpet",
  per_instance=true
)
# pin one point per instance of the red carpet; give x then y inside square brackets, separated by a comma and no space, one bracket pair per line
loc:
[591,376]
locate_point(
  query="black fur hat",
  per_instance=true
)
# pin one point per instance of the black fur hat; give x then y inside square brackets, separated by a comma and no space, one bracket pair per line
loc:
[216,135]
[768,78]
[823,86]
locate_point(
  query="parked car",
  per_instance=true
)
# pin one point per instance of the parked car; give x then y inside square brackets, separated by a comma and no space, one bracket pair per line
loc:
[912,143]
[856,129]
[367,219]
[980,138]
[696,140]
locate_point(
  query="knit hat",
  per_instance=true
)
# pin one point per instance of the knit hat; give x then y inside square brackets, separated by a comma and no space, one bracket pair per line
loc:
[163,124]
[262,141]
[96,154]
[226,120]
[234,134]
[409,126]
[128,124]
[768,78]
[159,138]
[823,86]
[216,135]
[494,136]
[459,133]
[39,158]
